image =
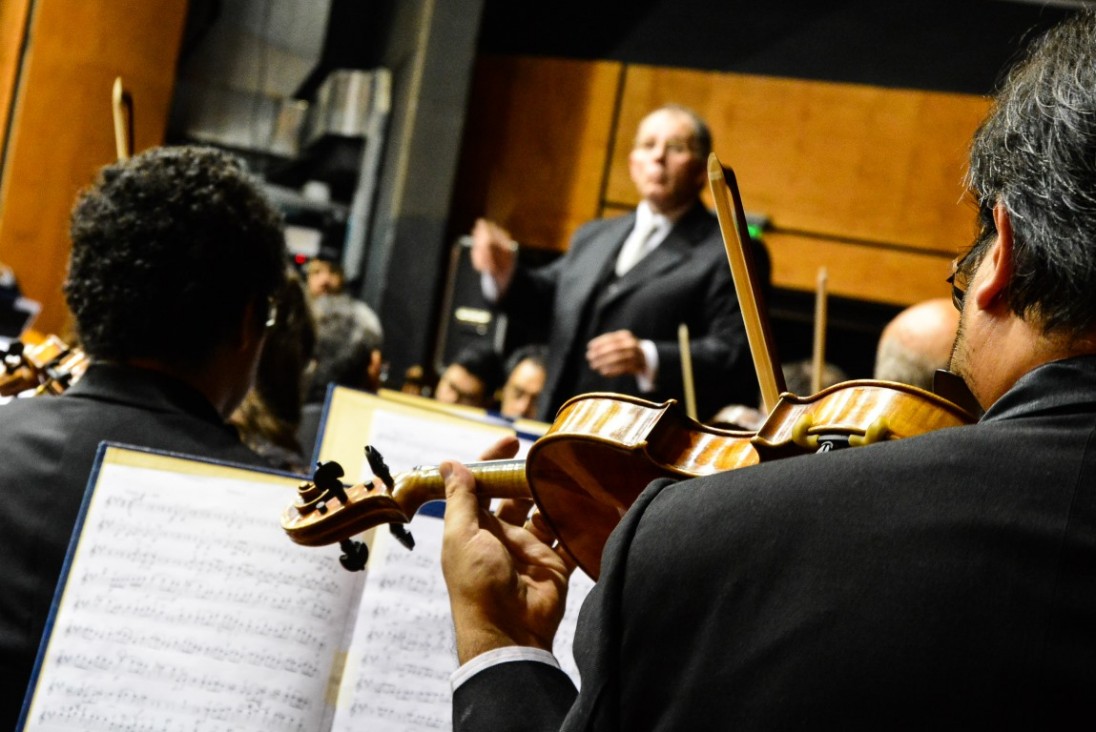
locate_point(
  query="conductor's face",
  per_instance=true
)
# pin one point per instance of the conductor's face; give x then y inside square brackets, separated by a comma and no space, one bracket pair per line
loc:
[664,163]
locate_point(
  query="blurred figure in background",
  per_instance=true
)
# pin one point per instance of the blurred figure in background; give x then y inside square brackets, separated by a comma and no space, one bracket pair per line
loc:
[471,378]
[324,277]
[269,417]
[798,376]
[348,353]
[917,342]
[526,371]
[613,303]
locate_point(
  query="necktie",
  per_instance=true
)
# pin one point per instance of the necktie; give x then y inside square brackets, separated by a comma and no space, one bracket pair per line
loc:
[636,247]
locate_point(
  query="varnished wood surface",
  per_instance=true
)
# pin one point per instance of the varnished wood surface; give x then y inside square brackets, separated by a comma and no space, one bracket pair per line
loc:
[63,132]
[856,408]
[535,145]
[843,160]
[14,15]
[603,450]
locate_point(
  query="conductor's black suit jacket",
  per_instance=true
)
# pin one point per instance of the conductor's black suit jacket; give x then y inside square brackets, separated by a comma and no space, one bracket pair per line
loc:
[686,279]
[47,448]
[940,582]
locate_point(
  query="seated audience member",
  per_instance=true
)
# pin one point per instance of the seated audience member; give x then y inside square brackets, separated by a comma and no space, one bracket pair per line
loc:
[349,340]
[269,417]
[174,343]
[324,277]
[944,581]
[917,342]
[524,382]
[418,381]
[471,378]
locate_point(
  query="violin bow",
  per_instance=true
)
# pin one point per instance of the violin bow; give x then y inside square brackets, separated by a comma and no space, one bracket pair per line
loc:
[687,369]
[818,353]
[122,104]
[732,225]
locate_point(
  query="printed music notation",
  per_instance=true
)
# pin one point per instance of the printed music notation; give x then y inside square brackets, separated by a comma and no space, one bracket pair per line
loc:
[186,608]
[403,650]
[397,676]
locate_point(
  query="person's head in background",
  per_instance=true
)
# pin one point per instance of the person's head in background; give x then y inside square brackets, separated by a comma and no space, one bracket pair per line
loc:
[917,342]
[176,255]
[349,339]
[471,378]
[324,277]
[270,414]
[526,373]
[798,376]
[668,162]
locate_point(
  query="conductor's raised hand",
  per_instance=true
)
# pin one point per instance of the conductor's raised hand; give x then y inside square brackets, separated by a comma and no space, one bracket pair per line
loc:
[494,251]
[506,586]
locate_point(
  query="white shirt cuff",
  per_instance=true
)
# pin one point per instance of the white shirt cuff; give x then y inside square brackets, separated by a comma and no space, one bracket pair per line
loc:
[497,656]
[493,289]
[645,379]
[489,287]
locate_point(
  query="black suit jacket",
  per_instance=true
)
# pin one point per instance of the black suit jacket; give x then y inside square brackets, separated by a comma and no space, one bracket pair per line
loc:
[686,279]
[941,582]
[47,447]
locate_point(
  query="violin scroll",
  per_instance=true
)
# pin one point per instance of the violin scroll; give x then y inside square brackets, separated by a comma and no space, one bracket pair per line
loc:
[323,514]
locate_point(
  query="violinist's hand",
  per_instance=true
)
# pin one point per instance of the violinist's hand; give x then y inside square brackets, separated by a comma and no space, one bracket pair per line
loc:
[494,251]
[506,586]
[616,354]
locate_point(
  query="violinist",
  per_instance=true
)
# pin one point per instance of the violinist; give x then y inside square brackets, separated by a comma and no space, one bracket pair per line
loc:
[175,256]
[940,581]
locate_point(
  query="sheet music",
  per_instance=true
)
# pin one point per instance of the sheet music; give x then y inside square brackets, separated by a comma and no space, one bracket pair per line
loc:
[187,608]
[402,651]
[397,675]
[408,441]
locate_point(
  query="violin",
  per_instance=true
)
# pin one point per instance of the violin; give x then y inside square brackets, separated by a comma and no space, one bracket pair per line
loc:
[48,367]
[603,449]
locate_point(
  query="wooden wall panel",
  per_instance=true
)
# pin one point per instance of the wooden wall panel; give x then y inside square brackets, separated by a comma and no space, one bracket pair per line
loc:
[829,163]
[62,131]
[13,26]
[842,160]
[533,156]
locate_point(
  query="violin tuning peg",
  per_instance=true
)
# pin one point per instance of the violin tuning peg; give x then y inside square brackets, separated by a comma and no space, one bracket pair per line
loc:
[402,535]
[355,555]
[378,466]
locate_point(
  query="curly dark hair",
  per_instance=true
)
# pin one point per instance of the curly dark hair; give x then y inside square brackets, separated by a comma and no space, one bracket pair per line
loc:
[168,250]
[1035,155]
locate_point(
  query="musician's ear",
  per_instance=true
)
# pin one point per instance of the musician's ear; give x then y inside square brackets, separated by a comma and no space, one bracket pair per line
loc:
[989,291]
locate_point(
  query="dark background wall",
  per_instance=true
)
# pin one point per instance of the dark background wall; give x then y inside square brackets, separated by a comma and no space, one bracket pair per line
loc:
[943,45]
